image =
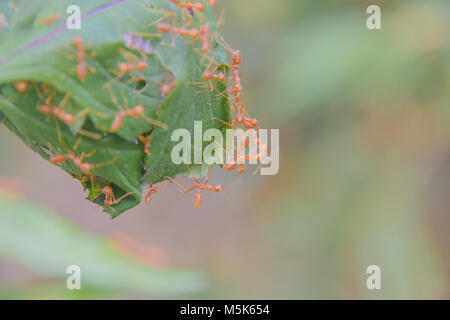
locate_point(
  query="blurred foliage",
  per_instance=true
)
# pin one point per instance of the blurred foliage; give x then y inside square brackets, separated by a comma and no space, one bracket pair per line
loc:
[365,127]
[34,237]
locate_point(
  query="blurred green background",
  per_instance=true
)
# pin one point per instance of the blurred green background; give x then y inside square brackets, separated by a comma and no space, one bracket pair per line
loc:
[364,179]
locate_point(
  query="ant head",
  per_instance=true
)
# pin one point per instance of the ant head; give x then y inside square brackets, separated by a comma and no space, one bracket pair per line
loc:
[139,110]
[205,30]
[218,188]
[67,118]
[142,65]
[199,6]
[237,57]
[58,158]
[43,109]
[78,41]
[107,190]
[207,75]
[125,67]
[22,86]
[194,33]
[117,123]
[86,167]
[164,27]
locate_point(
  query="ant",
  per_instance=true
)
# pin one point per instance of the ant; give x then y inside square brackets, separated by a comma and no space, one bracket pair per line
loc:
[57,111]
[110,199]
[167,28]
[167,88]
[51,19]
[208,76]
[82,66]
[133,66]
[205,34]
[199,186]
[152,190]
[197,5]
[137,112]
[77,160]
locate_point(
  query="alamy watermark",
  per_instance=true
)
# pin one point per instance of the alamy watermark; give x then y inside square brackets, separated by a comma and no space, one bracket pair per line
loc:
[237,147]
[73,281]
[374,280]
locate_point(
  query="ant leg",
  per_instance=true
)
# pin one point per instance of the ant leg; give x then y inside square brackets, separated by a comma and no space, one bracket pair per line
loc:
[84,155]
[39,92]
[224,122]
[93,188]
[157,123]
[178,186]
[106,163]
[209,175]
[60,139]
[64,101]
[77,144]
[125,99]
[193,177]
[121,198]
[225,45]
[165,15]
[89,134]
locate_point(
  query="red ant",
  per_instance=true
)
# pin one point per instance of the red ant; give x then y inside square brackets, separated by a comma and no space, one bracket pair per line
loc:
[151,191]
[110,199]
[197,5]
[82,67]
[132,66]
[167,88]
[77,160]
[51,19]
[205,34]
[209,75]
[137,112]
[199,186]
[49,109]
[165,27]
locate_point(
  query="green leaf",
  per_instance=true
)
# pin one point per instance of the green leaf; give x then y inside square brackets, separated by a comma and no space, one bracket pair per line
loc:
[45,56]
[32,236]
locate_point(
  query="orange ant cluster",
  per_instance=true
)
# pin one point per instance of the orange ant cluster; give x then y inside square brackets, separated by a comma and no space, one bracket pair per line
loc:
[132,67]
[204,36]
